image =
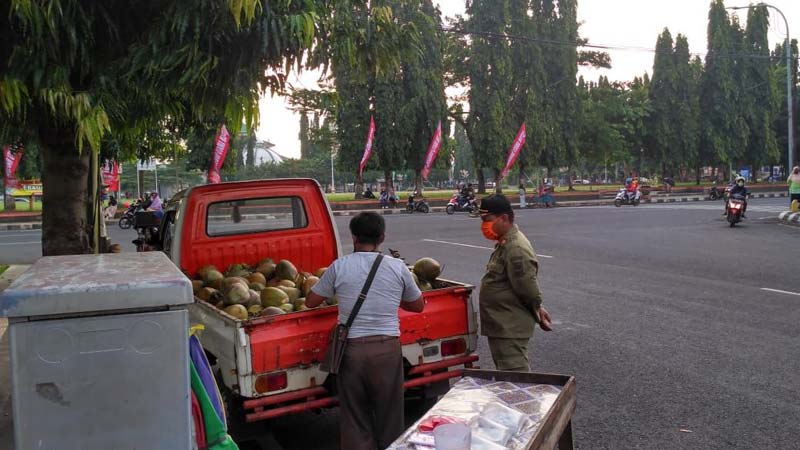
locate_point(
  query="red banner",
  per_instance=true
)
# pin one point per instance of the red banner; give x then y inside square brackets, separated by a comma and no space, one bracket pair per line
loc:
[10,163]
[519,141]
[111,171]
[433,150]
[368,147]
[221,144]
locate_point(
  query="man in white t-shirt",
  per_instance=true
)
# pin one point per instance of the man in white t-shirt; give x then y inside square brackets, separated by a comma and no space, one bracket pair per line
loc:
[370,379]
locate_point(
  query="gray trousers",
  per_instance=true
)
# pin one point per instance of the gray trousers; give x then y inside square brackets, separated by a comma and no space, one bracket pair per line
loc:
[370,384]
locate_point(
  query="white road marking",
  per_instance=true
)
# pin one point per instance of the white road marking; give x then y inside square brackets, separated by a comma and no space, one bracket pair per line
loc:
[474,246]
[781,292]
[21,243]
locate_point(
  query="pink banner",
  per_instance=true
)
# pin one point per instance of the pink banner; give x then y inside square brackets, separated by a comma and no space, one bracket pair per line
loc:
[10,163]
[111,171]
[433,150]
[368,147]
[519,141]
[221,144]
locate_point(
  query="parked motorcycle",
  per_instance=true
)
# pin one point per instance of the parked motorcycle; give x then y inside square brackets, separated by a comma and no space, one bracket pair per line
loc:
[146,224]
[457,204]
[126,221]
[417,205]
[623,198]
[735,209]
[716,193]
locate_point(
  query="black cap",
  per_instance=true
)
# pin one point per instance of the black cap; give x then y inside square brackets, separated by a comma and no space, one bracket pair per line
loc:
[495,205]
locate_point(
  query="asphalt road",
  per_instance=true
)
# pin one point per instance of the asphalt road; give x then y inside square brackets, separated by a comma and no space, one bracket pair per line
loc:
[681,332]
[25,246]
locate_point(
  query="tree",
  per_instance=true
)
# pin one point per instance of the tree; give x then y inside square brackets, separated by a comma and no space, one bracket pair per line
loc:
[661,132]
[779,73]
[686,107]
[77,71]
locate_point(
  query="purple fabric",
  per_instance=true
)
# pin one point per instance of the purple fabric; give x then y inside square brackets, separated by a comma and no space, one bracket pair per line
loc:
[204,370]
[156,204]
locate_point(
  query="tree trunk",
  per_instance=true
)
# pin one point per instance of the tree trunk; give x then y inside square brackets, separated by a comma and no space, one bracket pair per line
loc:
[481,180]
[698,174]
[418,181]
[359,186]
[140,184]
[388,183]
[8,200]
[65,197]
[569,178]
[521,172]
[498,186]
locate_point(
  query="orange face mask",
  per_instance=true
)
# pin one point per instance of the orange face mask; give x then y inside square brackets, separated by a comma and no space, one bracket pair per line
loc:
[488,232]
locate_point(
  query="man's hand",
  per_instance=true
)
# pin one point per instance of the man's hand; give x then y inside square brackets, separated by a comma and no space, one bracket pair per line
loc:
[545,322]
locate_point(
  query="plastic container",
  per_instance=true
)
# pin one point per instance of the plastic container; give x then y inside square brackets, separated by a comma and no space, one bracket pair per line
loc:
[453,436]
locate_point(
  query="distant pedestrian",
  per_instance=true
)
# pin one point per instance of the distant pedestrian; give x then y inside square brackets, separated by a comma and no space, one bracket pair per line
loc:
[794,185]
[522,204]
[111,209]
[510,301]
[370,379]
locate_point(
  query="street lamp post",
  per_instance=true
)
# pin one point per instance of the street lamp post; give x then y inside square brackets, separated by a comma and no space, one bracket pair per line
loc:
[790,136]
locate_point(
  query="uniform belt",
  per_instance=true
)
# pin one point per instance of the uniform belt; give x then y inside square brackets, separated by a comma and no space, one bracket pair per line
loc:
[366,339]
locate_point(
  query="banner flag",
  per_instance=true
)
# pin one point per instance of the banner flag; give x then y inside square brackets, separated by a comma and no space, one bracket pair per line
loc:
[433,150]
[221,144]
[10,163]
[516,147]
[368,147]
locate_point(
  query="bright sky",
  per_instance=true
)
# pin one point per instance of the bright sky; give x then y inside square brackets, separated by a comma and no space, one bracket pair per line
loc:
[618,23]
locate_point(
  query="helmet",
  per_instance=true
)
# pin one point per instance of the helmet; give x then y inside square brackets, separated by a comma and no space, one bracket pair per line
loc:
[740,178]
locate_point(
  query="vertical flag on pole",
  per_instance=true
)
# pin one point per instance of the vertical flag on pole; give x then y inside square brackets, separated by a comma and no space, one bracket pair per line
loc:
[519,141]
[368,147]
[433,150]
[10,163]
[221,144]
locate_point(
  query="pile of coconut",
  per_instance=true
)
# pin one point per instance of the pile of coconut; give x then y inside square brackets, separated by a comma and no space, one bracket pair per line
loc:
[268,289]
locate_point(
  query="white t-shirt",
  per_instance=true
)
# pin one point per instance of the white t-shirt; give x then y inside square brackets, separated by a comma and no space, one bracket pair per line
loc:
[378,315]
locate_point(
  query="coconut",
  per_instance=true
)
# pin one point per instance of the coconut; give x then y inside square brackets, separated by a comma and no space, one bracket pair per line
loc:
[287,307]
[271,311]
[258,287]
[196,286]
[300,279]
[202,271]
[238,270]
[302,307]
[255,310]
[230,281]
[206,293]
[220,304]
[298,302]
[257,277]
[216,284]
[285,270]
[238,311]
[319,272]
[273,297]
[425,286]
[273,282]
[416,278]
[292,293]
[310,282]
[212,276]
[427,269]
[266,268]
[287,283]
[255,297]
[237,294]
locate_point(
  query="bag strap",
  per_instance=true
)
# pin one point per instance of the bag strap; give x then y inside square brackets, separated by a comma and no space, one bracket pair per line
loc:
[363,295]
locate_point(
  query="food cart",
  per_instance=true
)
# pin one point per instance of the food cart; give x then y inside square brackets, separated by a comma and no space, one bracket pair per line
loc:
[504,410]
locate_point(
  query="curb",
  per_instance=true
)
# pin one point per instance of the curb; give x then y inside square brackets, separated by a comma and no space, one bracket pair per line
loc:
[790,218]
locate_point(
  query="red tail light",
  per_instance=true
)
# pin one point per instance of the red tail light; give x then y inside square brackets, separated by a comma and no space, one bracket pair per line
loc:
[454,347]
[271,382]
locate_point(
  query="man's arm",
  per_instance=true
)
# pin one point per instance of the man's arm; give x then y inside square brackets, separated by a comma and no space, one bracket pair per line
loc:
[313,299]
[522,270]
[412,297]
[416,306]
[323,290]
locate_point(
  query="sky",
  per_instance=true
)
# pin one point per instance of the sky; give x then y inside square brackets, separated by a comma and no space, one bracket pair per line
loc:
[632,24]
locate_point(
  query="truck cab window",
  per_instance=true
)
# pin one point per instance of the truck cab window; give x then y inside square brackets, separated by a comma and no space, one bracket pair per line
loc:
[255,215]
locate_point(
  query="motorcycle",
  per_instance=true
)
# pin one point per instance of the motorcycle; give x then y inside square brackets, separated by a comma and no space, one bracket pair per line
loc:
[623,198]
[417,206]
[735,209]
[147,225]
[457,205]
[126,221]
[715,194]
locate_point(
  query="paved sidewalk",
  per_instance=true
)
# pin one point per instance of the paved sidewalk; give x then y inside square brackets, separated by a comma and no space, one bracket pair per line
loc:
[6,423]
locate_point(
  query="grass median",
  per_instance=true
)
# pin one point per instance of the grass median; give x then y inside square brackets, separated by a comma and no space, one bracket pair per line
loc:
[3,268]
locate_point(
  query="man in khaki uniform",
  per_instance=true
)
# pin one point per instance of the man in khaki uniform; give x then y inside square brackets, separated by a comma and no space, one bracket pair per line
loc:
[510,300]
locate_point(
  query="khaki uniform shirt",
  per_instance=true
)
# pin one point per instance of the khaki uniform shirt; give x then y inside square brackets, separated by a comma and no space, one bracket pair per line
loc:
[510,298]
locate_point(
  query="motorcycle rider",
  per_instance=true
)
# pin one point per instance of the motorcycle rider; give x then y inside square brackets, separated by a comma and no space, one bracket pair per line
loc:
[738,189]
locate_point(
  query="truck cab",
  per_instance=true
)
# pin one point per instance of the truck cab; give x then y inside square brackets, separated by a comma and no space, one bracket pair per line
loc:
[269,365]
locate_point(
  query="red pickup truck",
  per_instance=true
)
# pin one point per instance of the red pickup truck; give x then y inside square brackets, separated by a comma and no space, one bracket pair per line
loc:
[269,366]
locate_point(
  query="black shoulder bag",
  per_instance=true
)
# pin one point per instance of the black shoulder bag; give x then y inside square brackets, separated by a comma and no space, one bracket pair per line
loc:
[338,337]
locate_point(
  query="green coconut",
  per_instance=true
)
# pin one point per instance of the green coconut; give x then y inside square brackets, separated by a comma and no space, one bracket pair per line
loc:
[227,283]
[206,293]
[258,287]
[238,270]
[319,272]
[212,276]
[254,310]
[237,294]
[287,283]
[299,301]
[273,297]
[202,271]
[300,279]
[292,293]
[287,307]
[220,304]
[310,282]
[425,286]
[196,286]
[302,307]
[257,277]
[427,269]
[272,310]
[238,311]
[266,268]
[285,270]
